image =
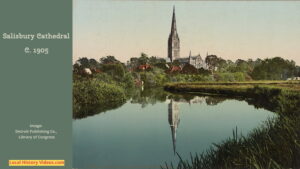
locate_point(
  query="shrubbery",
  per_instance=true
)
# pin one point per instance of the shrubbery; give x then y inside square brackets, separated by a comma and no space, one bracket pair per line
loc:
[230,77]
[190,78]
[274,69]
[126,81]
[116,71]
[92,92]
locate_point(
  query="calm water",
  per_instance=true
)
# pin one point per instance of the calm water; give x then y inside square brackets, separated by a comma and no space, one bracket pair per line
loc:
[147,130]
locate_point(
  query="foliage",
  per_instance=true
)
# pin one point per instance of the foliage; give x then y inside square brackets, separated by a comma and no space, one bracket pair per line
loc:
[161,65]
[104,89]
[211,61]
[231,77]
[274,69]
[93,92]
[223,70]
[189,69]
[128,81]
[143,59]
[153,60]
[109,60]
[105,78]
[117,71]
[204,72]
[86,63]
[189,78]
[268,69]
[149,79]
[271,146]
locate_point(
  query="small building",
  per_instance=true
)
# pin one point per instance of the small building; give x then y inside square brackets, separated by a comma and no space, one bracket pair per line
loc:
[195,61]
[144,67]
[174,69]
[293,78]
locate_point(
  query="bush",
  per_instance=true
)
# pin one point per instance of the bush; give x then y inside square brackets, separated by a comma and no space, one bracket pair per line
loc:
[148,78]
[117,71]
[239,76]
[230,77]
[104,77]
[128,80]
[190,78]
[94,92]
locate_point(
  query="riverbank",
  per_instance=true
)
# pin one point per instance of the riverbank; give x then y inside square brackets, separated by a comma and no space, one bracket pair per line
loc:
[233,88]
[273,145]
[273,95]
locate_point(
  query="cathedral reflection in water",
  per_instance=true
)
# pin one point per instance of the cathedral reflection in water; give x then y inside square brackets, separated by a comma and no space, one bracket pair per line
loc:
[174,120]
[173,112]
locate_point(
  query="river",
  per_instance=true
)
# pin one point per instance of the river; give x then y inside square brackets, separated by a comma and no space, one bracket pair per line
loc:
[153,126]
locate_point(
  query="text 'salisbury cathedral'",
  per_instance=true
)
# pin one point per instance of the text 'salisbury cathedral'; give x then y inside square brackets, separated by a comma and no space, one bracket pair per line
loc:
[174,49]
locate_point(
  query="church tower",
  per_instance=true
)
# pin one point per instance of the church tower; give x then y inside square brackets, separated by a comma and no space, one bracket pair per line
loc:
[173,41]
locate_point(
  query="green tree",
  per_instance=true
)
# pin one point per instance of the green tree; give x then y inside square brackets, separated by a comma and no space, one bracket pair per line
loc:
[143,59]
[211,61]
[109,59]
[117,71]
[83,62]
[93,64]
[242,66]
[153,60]
[274,69]
[189,69]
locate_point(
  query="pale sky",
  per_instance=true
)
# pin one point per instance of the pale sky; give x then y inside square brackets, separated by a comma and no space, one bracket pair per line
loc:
[228,29]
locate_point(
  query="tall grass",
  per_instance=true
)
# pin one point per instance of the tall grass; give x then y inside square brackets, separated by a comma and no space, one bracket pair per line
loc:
[273,145]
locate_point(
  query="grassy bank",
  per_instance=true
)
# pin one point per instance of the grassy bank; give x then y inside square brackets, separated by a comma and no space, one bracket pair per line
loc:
[220,87]
[243,89]
[276,144]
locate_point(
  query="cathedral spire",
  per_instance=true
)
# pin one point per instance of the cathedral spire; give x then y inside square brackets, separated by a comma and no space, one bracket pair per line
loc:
[173,41]
[173,28]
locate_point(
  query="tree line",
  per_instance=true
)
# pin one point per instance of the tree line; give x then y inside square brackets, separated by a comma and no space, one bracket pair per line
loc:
[275,68]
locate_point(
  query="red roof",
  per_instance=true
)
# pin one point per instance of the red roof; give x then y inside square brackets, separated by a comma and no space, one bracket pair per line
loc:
[144,67]
[175,69]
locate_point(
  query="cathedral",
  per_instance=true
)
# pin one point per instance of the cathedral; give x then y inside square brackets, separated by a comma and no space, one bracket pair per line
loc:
[173,41]
[174,49]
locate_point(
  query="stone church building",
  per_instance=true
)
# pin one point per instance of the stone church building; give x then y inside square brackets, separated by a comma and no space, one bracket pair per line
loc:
[174,49]
[173,41]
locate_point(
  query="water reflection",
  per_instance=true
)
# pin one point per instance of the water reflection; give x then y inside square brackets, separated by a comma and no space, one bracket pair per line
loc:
[174,111]
[139,133]
[144,98]
[173,121]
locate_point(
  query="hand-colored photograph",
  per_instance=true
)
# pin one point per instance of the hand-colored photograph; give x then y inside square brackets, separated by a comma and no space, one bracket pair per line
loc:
[186,84]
